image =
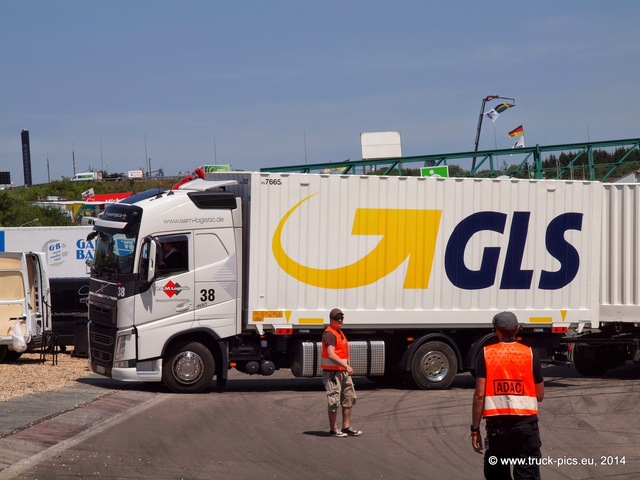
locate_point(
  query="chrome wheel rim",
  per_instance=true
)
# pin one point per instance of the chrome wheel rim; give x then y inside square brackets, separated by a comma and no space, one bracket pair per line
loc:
[188,367]
[435,366]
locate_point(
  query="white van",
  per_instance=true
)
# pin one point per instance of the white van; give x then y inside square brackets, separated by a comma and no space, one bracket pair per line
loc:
[25,300]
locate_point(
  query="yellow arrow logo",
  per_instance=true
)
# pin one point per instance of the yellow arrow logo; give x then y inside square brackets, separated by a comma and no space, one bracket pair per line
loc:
[405,233]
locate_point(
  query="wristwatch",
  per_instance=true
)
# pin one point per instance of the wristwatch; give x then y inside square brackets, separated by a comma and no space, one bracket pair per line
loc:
[475,429]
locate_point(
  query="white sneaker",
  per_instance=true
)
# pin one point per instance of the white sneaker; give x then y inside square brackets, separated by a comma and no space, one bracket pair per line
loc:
[351,431]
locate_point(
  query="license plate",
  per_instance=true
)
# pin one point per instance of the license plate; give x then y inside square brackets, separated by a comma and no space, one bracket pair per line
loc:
[100,369]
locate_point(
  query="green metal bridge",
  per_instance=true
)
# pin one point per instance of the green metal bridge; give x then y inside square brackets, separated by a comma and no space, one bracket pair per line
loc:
[592,161]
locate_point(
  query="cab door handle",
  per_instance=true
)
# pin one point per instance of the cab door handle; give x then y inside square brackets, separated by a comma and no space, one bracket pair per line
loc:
[183,307]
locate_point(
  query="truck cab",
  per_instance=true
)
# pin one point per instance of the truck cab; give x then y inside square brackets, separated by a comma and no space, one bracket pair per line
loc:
[151,321]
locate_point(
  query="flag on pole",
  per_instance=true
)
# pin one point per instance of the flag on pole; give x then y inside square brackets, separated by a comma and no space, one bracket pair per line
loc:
[519,143]
[495,112]
[87,193]
[516,131]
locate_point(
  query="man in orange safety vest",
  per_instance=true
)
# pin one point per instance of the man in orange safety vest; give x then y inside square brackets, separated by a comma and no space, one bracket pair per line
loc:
[336,376]
[509,385]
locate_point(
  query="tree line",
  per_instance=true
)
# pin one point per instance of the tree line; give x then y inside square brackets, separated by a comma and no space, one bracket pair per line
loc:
[17,206]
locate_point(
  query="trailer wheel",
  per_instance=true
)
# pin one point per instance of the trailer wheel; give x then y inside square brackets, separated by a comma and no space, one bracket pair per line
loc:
[434,366]
[188,368]
[478,352]
[585,365]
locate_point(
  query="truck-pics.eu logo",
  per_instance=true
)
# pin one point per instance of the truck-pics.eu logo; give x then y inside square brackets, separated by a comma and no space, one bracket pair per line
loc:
[172,289]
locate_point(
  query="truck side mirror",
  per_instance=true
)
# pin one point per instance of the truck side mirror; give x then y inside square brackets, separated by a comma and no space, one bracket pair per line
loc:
[151,271]
[148,260]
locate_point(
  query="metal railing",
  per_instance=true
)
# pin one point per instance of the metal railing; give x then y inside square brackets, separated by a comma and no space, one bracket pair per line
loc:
[538,162]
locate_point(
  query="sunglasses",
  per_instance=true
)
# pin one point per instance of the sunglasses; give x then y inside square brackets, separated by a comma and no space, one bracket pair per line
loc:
[338,319]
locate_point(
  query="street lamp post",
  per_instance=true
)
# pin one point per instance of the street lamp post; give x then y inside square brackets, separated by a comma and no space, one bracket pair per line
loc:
[484,102]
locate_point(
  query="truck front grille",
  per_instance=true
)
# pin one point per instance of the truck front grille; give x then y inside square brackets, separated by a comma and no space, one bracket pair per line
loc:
[102,313]
[101,357]
[102,339]
[101,343]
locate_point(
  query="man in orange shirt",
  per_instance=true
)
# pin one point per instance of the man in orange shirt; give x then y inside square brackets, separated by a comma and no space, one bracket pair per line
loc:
[509,385]
[336,376]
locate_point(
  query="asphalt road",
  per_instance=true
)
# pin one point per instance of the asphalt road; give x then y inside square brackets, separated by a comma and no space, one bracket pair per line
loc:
[276,428]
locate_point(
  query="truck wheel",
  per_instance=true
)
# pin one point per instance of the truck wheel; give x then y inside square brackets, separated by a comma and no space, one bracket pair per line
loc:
[472,370]
[434,366]
[479,352]
[188,368]
[13,356]
[3,352]
[585,365]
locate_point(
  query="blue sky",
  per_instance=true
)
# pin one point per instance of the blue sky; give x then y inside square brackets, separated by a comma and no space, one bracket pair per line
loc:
[264,83]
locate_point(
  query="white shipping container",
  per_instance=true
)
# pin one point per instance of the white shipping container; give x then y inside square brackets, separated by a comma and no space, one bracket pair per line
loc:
[620,287]
[66,248]
[394,251]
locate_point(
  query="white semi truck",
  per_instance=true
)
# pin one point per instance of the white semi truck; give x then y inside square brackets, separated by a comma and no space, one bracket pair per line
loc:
[419,266]
[87,177]
[24,302]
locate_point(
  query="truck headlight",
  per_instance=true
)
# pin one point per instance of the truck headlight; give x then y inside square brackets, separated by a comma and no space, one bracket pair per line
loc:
[121,347]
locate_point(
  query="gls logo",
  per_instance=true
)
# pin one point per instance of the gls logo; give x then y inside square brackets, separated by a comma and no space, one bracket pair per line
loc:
[513,277]
[395,246]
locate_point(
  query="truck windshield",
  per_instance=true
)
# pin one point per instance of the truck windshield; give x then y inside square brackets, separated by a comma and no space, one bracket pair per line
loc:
[114,252]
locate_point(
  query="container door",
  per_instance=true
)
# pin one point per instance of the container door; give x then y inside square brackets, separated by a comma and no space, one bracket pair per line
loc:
[13,295]
[41,292]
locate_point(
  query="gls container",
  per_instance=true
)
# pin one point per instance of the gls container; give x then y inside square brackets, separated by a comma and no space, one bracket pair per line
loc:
[418,265]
